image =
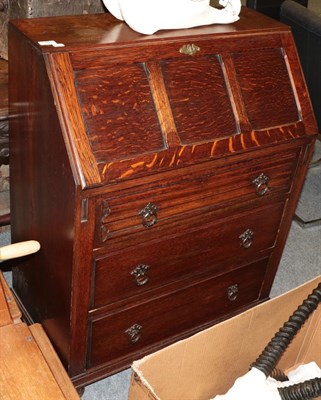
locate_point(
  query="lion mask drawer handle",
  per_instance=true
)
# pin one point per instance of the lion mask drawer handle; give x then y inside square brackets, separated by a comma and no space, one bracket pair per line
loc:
[246,238]
[134,333]
[261,184]
[140,274]
[149,215]
[233,292]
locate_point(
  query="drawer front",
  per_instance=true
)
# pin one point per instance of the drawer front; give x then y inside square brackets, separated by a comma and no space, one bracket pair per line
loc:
[159,204]
[131,330]
[238,236]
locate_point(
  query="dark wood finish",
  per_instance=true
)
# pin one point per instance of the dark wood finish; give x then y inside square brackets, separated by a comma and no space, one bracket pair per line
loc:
[205,247]
[188,193]
[5,219]
[203,81]
[3,89]
[269,70]
[166,316]
[142,172]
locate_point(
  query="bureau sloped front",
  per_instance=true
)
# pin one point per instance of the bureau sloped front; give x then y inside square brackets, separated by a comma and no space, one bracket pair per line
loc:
[160,108]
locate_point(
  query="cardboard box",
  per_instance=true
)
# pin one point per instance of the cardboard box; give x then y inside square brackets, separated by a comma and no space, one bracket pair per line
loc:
[208,363]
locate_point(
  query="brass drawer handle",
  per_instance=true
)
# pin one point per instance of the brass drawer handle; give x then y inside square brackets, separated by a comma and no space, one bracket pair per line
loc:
[140,274]
[134,333]
[233,292]
[189,49]
[149,215]
[261,184]
[246,238]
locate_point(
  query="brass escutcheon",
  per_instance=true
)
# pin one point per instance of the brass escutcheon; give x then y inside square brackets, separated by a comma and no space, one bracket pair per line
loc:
[189,49]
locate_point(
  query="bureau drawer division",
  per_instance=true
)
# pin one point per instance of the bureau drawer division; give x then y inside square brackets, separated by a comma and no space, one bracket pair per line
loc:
[160,204]
[129,331]
[200,249]
[161,184]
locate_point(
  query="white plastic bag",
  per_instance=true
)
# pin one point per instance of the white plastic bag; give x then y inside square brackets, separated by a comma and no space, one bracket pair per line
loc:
[149,16]
[254,385]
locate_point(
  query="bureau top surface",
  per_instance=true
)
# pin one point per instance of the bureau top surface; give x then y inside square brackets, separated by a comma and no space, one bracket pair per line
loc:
[97,30]
[132,105]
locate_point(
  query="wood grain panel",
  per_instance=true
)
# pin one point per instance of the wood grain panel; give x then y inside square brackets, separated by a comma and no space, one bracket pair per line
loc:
[82,158]
[266,88]
[154,51]
[199,99]
[187,155]
[119,112]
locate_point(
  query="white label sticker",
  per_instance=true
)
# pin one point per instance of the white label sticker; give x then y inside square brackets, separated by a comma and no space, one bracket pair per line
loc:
[51,43]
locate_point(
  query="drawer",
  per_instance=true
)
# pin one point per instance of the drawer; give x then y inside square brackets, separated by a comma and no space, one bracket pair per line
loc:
[145,267]
[160,203]
[131,330]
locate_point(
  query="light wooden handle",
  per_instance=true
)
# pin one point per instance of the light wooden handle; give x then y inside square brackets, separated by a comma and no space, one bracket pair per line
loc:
[19,249]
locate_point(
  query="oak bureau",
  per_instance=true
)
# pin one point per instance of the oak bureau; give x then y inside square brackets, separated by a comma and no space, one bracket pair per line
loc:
[159,173]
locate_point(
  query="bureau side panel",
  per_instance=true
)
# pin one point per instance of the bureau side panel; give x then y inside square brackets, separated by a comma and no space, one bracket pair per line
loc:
[42,194]
[286,221]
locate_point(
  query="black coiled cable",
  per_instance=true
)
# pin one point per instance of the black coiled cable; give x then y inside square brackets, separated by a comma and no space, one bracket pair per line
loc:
[270,356]
[279,375]
[302,391]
